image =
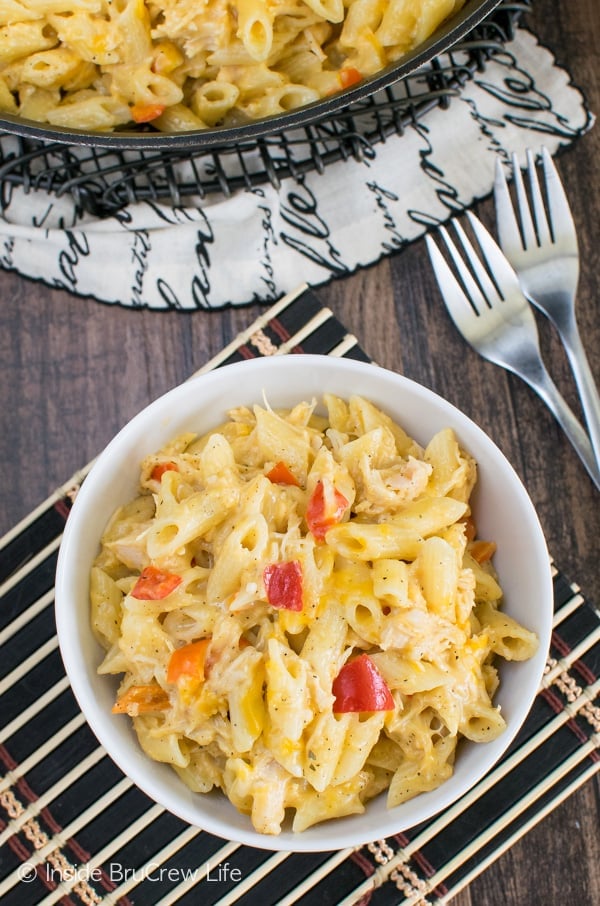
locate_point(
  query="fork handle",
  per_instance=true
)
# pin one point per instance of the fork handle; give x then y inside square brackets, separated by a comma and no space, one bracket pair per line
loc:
[535,374]
[584,379]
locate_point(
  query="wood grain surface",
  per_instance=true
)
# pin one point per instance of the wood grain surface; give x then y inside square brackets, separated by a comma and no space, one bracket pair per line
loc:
[73,371]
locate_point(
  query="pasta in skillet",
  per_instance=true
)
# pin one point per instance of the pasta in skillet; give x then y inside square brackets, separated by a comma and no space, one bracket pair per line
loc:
[302,613]
[100,64]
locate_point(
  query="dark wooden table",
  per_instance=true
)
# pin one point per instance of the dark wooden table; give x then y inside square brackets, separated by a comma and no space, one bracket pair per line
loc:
[74,371]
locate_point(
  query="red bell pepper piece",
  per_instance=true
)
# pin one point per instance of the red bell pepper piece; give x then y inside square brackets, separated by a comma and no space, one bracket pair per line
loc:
[359,686]
[155,584]
[283,584]
[320,514]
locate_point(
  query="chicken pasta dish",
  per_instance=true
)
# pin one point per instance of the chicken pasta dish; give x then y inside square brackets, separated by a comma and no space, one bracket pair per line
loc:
[99,64]
[302,613]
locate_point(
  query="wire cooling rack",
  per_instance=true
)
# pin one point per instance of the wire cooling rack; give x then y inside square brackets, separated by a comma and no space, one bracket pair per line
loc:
[103,180]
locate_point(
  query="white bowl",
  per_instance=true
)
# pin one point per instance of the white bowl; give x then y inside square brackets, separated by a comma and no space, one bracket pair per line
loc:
[503,512]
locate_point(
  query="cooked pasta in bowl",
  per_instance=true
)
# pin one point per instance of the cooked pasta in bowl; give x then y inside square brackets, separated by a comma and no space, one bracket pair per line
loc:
[303,602]
[106,68]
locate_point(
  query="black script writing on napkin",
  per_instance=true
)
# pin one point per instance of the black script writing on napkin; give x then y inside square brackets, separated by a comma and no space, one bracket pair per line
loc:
[68,259]
[307,231]
[382,198]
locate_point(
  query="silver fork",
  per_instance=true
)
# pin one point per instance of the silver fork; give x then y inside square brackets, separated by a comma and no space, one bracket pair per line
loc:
[542,247]
[490,311]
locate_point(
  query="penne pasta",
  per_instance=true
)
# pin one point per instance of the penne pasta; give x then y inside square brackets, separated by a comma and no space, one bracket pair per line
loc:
[296,610]
[186,67]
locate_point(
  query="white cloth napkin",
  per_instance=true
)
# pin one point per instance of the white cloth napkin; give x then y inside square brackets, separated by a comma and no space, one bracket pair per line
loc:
[259,244]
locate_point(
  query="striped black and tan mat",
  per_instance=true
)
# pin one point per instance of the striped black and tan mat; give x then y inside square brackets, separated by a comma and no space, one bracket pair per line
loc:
[75,831]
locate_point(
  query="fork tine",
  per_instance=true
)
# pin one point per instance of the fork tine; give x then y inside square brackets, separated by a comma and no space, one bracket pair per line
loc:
[497,261]
[558,205]
[507,223]
[539,210]
[527,227]
[481,288]
[473,293]
[457,303]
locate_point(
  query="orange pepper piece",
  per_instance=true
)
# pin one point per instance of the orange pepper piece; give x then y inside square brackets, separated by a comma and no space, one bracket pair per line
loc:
[145,113]
[349,76]
[141,700]
[281,474]
[161,467]
[188,661]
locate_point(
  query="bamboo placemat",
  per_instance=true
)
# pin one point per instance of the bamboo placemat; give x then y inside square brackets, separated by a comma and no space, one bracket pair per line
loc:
[74,830]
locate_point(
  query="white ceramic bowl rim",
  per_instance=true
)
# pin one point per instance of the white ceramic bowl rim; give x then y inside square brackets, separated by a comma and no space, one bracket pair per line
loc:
[201,404]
